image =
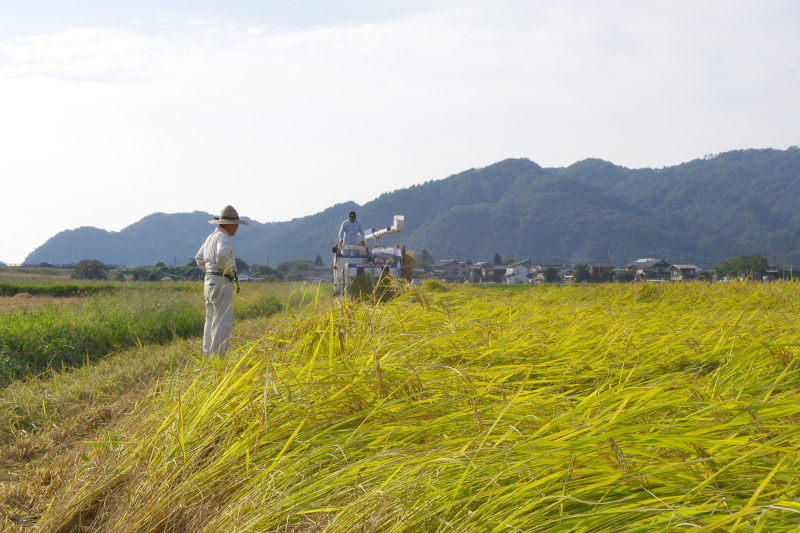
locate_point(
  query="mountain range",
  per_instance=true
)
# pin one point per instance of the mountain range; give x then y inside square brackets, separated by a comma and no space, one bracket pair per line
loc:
[702,211]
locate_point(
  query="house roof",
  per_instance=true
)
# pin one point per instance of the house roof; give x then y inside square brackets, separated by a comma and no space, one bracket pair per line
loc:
[640,262]
[443,263]
[246,276]
[648,263]
[684,267]
[600,264]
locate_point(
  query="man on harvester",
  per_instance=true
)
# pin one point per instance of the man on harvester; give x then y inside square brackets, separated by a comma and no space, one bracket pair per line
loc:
[351,233]
[352,258]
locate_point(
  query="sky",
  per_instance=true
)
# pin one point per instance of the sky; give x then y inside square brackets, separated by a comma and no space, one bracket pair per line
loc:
[111,110]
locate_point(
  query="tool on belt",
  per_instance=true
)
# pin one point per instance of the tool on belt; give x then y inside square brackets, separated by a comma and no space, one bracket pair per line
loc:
[233,279]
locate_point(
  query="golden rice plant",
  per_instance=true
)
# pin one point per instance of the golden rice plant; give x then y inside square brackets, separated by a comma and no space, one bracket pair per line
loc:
[669,407]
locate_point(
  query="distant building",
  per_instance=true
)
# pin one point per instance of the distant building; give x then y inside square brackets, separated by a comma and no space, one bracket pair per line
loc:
[601,270]
[516,272]
[446,269]
[683,272]
[472,272]
[492,273]
[538,273]
[247,277]
[659,268]
[774,272]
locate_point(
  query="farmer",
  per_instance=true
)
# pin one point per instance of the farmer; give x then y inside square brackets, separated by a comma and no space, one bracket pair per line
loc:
[216,259]
[351,232]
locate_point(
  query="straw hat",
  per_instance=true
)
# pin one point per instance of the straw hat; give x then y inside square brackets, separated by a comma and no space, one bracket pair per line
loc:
[228,215]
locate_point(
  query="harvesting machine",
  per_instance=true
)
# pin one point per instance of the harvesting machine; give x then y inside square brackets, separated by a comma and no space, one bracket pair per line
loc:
[371,260]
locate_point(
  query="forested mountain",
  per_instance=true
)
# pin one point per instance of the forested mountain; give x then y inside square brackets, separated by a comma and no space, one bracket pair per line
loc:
[702,211]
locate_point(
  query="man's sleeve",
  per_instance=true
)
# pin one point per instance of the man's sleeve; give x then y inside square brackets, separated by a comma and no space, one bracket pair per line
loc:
[201,262]
[341,231]
[226,257]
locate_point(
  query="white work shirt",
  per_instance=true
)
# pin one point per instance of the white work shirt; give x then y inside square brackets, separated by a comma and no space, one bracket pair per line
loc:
[350,231]
[216,254]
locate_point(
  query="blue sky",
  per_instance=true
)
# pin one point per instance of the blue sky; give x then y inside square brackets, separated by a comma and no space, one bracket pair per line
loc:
[114,110]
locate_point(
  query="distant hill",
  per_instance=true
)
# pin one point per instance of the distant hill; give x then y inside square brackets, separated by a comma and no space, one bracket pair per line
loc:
[744,201]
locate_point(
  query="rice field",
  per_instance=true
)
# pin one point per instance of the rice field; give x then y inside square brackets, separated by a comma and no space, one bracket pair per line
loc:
[642,407]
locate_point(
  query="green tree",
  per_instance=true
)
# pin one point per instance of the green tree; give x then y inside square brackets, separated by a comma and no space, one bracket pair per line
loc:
[705,275]
[160,264]
[295,264]
[266,272]
[194,273]
[508,261]
[747,266]
[753,265]
[626,277]
[90,269]
[550,274]
[498,260]
[318,261]
[425,260]
[581,273]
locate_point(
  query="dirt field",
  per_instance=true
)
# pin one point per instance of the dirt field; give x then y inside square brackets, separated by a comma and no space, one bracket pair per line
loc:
[11,274]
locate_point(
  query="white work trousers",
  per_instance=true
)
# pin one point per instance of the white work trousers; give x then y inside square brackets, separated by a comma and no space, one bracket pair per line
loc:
[219,315]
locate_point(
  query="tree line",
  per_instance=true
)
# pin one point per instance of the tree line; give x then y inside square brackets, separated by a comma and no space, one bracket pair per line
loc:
[92,269]
[748,266]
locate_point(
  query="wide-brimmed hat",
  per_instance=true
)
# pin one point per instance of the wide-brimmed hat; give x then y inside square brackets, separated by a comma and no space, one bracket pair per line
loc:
[228,215]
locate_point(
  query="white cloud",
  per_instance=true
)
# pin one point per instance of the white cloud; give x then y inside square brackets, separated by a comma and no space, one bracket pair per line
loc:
[80,54]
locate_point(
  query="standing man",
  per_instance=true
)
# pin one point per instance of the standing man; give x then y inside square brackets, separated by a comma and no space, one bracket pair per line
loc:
[351,232]
[216,259]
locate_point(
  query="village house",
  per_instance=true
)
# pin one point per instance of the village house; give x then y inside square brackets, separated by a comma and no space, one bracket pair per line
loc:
[486,273]
[659,269]
[683,272]
[538,273]
[471,271]
[517,272]
[446,269]
[600,270]
[247,277]
[492,273]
